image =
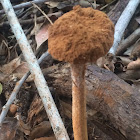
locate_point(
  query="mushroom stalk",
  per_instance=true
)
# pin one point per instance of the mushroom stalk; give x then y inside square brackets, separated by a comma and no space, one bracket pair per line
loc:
[79,44]
[79,102]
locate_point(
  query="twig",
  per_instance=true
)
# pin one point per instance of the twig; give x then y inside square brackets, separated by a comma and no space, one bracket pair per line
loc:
[29,21]
[40,82]
[43,13]
[117,10]
[122,23]
[26,4]
[102,8]
[16,90]
[128,42]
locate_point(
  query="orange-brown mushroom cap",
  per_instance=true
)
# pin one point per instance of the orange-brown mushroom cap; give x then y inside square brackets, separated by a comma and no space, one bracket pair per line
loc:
[81,35]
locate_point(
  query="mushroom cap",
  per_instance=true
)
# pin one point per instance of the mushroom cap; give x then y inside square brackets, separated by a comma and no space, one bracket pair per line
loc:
[81,35]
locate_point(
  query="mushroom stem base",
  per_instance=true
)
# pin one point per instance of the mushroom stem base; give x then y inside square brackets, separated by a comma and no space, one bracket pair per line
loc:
[79,102]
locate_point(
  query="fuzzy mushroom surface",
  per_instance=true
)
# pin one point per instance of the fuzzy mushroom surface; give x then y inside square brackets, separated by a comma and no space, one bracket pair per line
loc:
[80,36]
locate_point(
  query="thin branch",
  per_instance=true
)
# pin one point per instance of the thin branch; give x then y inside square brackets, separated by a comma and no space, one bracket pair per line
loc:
[29,21]
[122,23]
[26,4]
[47,17]
[40,82]
[16,90]
[128,42]
[102,8]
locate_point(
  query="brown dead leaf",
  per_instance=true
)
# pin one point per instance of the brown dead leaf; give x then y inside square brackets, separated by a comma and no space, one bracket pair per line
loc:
[108,1]
[134,65]
[52,4]
[135,53]
[106,62]
[23,127]
[11,66]
[16,76]
[46,138]
[136,84]
[36,28]
[2,77]
[4,50]
[129,75]
[67,109]
[42,35]
[14,70]
[60,4]
[138,19]
[8,129]
[22,68]
[121,63]
[36,113]
[43,129]
[123,59]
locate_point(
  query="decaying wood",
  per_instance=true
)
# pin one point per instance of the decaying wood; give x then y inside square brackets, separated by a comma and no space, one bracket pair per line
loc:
[115,13]
[106,93]
[128,42]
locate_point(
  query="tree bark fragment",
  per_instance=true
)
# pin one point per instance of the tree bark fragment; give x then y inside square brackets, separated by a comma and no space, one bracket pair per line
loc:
[106,93]
[115,13]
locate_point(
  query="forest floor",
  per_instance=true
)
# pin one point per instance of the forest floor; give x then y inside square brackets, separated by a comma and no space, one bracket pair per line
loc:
[27,118]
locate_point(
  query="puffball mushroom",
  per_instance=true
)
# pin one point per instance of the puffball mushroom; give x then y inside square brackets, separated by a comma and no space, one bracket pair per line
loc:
[80,36]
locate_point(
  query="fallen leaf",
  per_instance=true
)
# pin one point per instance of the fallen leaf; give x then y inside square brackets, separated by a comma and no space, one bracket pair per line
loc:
[42,35]
[135,53]
[106,62]
[67,109]
[22,68]
[138,19]
[0,88]
[125,60]
[4,50]
[8,129]
[2,77]
[11,66]
[134,65]
[41,130]
[36,28]
[52,4]
[36,109]
[46,138]
[108,1]
[23,127]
